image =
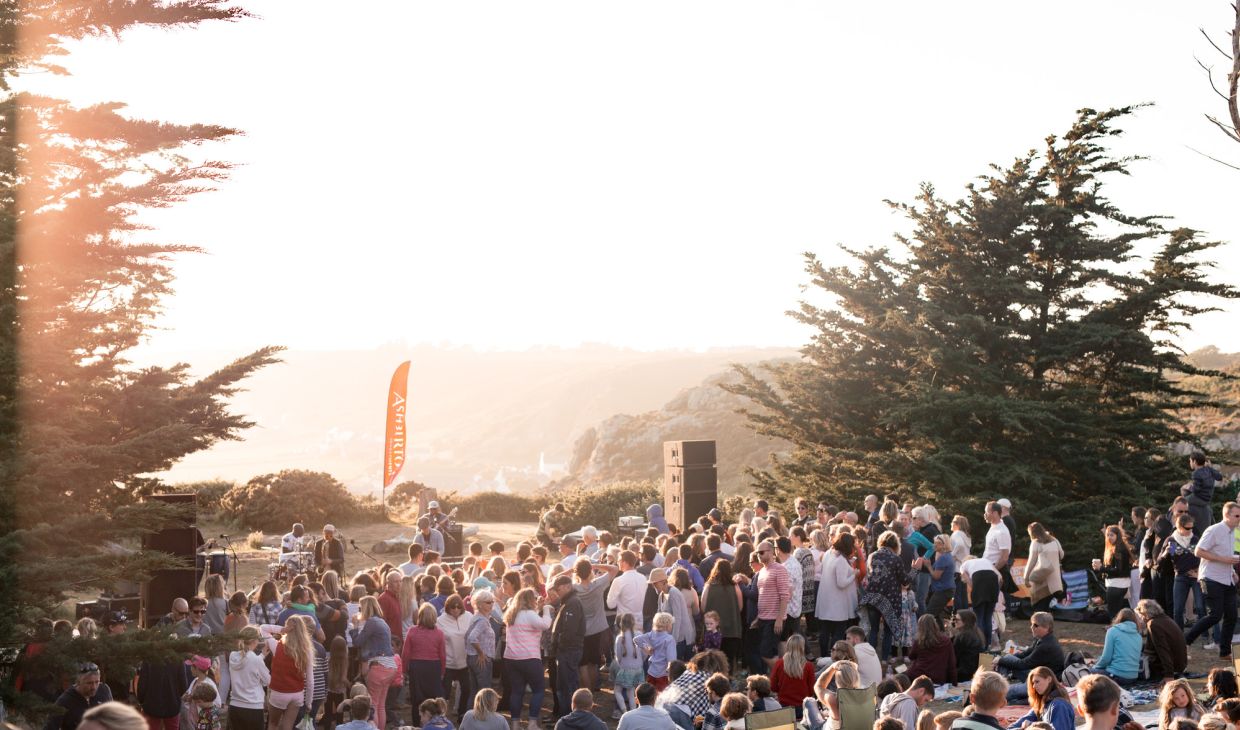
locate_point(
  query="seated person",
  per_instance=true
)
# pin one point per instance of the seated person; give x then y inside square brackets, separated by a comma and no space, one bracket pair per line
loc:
[933,654]
[1121,649]
[1164,642]
[1045,651]
[988,695]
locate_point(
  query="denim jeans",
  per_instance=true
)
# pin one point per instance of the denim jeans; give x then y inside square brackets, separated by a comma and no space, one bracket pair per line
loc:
[522,673]
[921,588]
[1184,584]
[479,673]
[680,717]
[1220,607]
[985,621]
[811,715]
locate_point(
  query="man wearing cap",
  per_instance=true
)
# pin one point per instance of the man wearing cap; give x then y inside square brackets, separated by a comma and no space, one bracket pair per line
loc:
[329,552]
[293,542]
[684,631]
[551,526]
[568,633]
[438,519]
[428,537]
[85,693]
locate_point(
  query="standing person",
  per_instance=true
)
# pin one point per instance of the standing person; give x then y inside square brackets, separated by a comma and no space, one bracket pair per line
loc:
[836,604]
[1043,574]
[217,604]
[1005,507]
[672,602]
[880,593]
[660,647]
[266,608]
[87,692]
[425,656]
[292,673]
[480,640]
[774,592]
[962,546]
[629,666]
[248,679]
[568,632]
[195,624]
[1162,570]
[998,548]
[591,588]
[982,580]
[942,578]
[526,618]
[373,640]
[454,622]
[627,592]
[1180,551]
[1116,567]
[796,578]
[722,596]
[329,552]
[1200,491]
[389,603]
[160,687]
[1216,548]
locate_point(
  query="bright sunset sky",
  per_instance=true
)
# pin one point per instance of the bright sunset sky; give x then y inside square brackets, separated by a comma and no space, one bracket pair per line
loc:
[645,174]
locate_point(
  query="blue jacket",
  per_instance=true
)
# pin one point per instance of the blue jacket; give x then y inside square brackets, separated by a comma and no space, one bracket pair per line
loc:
[1058,713]
[1121,651]
[374,640]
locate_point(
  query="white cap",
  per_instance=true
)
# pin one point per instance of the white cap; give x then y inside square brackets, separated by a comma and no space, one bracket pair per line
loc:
[329,528]
[1005,503]
[433,505]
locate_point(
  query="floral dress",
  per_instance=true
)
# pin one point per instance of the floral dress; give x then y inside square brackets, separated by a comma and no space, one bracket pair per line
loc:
[881,590]
[908,618]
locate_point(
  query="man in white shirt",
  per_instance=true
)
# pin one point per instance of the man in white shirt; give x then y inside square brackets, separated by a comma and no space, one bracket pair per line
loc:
[294,542]
[628,590]
[796,578]
[414,565]
[1217,550]
[998,539]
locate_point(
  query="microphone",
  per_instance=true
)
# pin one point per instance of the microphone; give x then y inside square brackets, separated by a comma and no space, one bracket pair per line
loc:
[223,537]
[353,543]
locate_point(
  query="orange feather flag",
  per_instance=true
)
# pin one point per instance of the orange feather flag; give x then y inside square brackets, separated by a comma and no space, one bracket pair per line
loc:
[396,438]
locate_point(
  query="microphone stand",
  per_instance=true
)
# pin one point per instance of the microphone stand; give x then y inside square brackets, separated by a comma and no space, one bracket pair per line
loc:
[353,544]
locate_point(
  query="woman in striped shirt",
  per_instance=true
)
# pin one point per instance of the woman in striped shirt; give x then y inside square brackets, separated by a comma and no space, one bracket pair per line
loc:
[522,653]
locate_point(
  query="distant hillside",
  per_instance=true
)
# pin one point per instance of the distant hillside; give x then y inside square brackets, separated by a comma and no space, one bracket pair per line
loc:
[477,419]
[631,446]
[1220,427]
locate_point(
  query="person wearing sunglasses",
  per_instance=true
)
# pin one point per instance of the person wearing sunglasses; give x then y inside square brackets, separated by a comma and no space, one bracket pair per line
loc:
[195,623]
[87,691]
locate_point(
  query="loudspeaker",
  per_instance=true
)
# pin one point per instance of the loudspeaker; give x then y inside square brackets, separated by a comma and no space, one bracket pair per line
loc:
[454,542]
[91,609]
[689,493]
[181,540]
[688,453]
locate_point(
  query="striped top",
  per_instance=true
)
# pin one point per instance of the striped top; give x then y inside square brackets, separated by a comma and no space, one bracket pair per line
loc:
[774,586]
[525,635]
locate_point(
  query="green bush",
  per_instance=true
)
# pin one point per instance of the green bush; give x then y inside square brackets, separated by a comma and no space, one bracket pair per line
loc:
[274,502]
[493,506]
[603,506]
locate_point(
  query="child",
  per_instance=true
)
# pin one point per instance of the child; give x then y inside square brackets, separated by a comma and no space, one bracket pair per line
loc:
[337,682]
[1175,701]
[1220,685]
[734,707]
[759,689]
[359,709]
[432,712]
[629,672]
[200,668]
[660,647]
[712,637]
[908,621]
[207,701]
[989,694]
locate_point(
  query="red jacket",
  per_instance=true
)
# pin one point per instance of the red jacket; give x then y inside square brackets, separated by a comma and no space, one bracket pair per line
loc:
[936,662]
[791,690]
[424,645]
[390,604]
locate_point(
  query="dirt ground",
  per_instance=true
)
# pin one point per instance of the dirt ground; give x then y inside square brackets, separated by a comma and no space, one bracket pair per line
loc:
[1086,638]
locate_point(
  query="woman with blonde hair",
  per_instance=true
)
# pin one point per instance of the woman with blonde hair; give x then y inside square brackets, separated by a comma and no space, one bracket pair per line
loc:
[217,604]
[942,577]
[484,715]
[86,628]
[112,716]
[962,545]
[292,674]
[792,677]
[331,585]
[844,675]
[248,678]
[523,653]
[425,656]
[1177,700]
[407,599]
[373,640]
[1043,573]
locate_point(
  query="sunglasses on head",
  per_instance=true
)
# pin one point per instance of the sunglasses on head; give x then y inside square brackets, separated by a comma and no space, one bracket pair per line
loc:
[199,611]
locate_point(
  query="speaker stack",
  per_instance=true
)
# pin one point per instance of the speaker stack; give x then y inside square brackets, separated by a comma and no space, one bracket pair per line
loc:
[690,480]
[181,540]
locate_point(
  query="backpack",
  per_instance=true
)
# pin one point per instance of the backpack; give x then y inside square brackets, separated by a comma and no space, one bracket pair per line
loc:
[1074,669]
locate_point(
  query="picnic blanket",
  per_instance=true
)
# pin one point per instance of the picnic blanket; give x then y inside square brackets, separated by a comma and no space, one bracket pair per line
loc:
[1076,586]
[1011,713]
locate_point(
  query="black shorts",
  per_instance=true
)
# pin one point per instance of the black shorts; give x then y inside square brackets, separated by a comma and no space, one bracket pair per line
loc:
[768,642]
[594,648]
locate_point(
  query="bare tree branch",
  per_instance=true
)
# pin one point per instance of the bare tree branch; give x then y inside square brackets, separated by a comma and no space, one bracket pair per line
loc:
[1211,40]
[1226,130]
[1210,77]
[1211,157]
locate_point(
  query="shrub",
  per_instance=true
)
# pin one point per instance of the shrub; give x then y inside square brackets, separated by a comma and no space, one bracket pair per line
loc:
[275,501]
[603,506]
[405,495]
[254,540]
[493,506]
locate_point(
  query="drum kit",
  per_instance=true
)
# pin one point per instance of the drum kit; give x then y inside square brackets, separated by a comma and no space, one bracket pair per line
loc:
[290,565]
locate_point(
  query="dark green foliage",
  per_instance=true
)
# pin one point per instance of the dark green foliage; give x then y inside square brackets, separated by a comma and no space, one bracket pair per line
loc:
[601,506]
[1018,343]
[208,494]
[275,501]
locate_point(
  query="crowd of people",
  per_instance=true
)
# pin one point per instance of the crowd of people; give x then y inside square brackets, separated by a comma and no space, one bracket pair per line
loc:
[695,626]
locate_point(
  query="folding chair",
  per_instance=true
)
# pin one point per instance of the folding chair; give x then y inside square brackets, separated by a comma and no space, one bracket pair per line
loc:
[857,708]
[785,718]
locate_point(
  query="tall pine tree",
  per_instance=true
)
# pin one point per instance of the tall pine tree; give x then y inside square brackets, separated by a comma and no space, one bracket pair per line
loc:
[81,281]
[1019,343]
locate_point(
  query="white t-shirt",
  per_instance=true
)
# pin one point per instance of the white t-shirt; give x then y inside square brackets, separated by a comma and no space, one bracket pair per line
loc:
[969,567]
[291,543]
[997,540]
[1220,540]
[411,569]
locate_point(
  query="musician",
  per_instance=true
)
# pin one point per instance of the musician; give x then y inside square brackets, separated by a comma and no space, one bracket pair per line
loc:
[428,537]
[329,552]
[439,520]
[294,542]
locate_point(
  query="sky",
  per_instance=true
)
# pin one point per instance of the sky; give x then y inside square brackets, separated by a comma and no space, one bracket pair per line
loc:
[504,175]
